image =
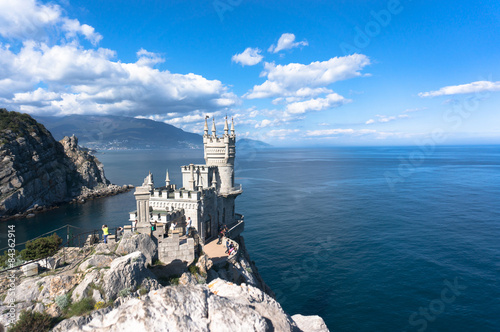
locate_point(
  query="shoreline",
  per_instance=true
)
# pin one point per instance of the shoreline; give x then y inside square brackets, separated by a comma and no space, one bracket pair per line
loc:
[82,198]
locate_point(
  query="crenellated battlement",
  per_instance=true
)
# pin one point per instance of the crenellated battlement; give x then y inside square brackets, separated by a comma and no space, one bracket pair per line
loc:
[207,193]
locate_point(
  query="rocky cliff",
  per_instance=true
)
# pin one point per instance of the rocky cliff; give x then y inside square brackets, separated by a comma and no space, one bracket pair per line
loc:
[126,295]
[37,171]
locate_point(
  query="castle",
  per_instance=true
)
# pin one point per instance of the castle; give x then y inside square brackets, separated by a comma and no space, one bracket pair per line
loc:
[207,195]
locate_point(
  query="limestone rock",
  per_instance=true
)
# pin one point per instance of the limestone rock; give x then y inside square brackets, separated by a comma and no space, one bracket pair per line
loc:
[138,242]
[204,264]
[81,291]
[37,171]
[265,305]
[98,261]
[126,272]
[187,279]
[310,323]
[220,306]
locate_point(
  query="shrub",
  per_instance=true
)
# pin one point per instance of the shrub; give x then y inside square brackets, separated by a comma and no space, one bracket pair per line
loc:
[41,247]
[32,321]
[142,291]
[124,292]
[193,269]
[81,307]
[63,301]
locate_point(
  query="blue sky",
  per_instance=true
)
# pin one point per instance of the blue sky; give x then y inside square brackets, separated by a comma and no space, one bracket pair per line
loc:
[290,73]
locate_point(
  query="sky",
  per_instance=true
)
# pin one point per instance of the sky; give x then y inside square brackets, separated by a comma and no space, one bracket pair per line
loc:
[290,73]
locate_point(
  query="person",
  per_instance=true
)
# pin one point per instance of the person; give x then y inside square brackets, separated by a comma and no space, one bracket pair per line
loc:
[153,226]
[173,226]
[134,225]
[221,235]
[228,245]
[105,233]
[188,225]
[119,231]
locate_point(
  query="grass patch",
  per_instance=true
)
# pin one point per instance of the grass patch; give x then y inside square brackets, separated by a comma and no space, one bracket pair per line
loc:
[193,269]
[81,307]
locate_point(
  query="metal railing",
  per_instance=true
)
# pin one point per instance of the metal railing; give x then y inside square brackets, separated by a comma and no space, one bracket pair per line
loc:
[72,240]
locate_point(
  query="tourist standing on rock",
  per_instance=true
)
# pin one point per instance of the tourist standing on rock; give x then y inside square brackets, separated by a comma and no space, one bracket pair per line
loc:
[134,225]
[105,233]
[188,225]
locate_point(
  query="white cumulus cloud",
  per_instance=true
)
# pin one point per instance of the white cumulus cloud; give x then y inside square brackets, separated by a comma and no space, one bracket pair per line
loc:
[474,87]
[249,57]
[387,118]
[82,80]
[317,104]
[286,42]
[295,79]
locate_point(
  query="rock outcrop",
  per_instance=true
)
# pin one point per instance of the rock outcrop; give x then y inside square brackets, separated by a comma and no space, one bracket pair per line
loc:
[127,296]
[36,171]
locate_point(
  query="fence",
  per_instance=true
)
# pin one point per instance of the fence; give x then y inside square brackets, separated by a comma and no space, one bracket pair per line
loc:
[72,240]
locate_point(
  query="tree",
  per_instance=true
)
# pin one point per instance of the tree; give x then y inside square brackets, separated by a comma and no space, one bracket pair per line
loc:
[42,247]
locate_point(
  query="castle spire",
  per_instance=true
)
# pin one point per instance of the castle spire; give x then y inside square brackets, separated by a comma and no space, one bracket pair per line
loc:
[205,130]
[213,128]
[167,180]
[226,128]
[232,127]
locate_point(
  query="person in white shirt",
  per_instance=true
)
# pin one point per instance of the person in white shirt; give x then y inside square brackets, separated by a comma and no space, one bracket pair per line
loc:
[188,225]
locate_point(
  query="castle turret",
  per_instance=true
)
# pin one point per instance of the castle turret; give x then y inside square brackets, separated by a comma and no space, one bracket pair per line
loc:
[220,152]
[167,180]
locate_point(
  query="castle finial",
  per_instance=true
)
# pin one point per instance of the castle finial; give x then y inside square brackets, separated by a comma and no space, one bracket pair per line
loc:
[213,128]
[167,180]
[205,130]
[226,128]
[232,127]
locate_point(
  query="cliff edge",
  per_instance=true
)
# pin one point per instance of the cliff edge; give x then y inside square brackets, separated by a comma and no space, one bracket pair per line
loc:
[36,171]
[120,292]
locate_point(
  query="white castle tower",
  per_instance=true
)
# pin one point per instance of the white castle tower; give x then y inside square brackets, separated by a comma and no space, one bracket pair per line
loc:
[207,195]
[220,152]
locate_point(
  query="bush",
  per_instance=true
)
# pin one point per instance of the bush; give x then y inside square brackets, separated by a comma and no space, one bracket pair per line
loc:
[32,321]
[193,269]
[41,247]
[63,301]
[81,307]
[124,292]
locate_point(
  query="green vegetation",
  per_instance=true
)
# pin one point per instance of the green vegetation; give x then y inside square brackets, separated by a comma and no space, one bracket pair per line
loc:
[193,269]
[124,292]
[4,259]
[41,247]
[63,301]
[172,280]
[143,291]
[32,321]
[81,307]
[19,123]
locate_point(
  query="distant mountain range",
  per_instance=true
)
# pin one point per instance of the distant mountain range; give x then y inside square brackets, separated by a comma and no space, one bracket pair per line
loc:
[120,132]
[251,144]
[125,133]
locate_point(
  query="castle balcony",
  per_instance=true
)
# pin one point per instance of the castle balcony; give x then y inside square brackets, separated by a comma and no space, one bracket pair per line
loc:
[236,190]
[238,227]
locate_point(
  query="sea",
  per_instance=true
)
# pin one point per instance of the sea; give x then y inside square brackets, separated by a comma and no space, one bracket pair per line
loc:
[368,238]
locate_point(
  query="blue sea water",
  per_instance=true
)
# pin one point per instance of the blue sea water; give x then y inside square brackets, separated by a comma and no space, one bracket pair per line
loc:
[370,239]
